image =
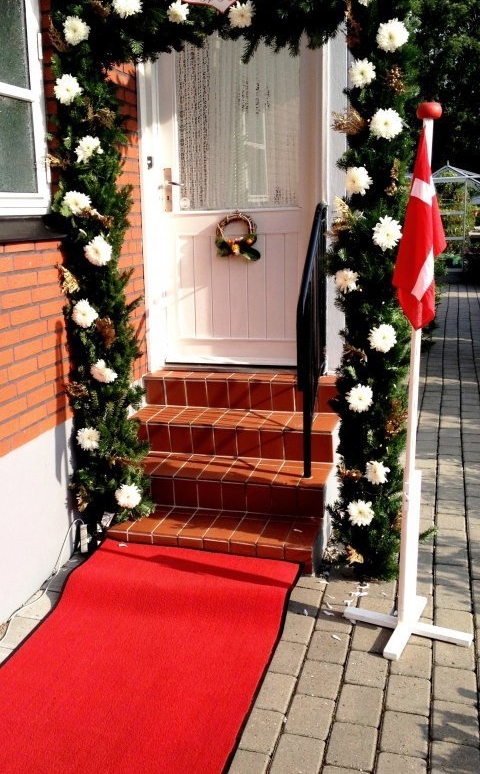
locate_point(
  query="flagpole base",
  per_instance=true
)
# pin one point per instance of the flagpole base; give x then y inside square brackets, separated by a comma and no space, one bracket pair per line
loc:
[403,630]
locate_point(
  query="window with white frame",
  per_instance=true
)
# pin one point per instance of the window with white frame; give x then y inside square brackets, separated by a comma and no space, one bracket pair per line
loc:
[24,188]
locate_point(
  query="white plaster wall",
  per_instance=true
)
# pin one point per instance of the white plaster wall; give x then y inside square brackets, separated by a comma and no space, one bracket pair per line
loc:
[335,146]
[34,516]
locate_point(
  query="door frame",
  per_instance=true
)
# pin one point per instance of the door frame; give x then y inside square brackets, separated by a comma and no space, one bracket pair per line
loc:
[320,87]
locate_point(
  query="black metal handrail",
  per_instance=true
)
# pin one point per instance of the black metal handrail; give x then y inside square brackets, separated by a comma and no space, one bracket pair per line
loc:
[311,328]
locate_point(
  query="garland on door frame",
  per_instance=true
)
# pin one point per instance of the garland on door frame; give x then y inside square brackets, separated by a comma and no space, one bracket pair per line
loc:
[380,124]
[89,38]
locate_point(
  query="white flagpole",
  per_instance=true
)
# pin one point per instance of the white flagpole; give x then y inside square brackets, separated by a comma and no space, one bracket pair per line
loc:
[411,606]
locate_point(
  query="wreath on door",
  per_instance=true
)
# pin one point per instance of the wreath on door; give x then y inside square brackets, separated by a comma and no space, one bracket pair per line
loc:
[242,245]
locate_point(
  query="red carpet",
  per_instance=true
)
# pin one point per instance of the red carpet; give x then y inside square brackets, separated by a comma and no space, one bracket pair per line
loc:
[149,663]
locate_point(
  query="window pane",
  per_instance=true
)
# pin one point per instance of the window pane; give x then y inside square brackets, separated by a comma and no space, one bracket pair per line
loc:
[17,157]
[13,44]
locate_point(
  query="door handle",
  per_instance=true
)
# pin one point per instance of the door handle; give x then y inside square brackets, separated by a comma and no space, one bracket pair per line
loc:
[167,185]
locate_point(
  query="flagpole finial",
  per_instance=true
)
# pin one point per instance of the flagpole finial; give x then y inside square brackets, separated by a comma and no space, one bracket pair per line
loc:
[429,110]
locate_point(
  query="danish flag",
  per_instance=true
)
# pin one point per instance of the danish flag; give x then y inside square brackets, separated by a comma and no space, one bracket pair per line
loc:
[422,240]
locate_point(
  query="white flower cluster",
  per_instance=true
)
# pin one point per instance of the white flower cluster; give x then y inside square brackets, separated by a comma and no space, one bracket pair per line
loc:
[88,438]
[241,14]
[360,513]
[346,280]
[84,314]
[387,233]
[125,8]
[66,89]
[386,124]
[357,180]
[392,35]
[98,251]
[128,495]
[77,202]
[362,73]
[376,472]
[102,373]
[87,147]
[382,338]
[75,30]
[178,12]
[360,398]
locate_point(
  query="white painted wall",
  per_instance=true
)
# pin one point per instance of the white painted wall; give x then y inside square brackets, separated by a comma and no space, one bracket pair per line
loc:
[34,516]
[335,146]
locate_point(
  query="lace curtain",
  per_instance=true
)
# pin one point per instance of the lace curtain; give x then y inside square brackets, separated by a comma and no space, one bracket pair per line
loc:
[238,127]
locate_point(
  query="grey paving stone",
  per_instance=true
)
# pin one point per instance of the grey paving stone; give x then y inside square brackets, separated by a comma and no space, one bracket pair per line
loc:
[4,653]
[18,629]
[389,763]
[370,639]
[455,685]
[366,669]
[454,758]
[352,746]
[335,770]
[330,647]
[360,704]
[288,658]
[404,734]
[333,621]
[452,588]
[449,655]
[320,679]
[39,605]
[297,755]
[262,731]
[276,692]
[310,716]
[455,723]
[461,620]
[248,762]
[303,598]
[298,628]
[408,694]
[415,661]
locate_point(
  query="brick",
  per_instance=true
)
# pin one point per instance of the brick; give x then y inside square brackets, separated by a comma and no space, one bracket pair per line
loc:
[310,716]
[366,669]
[325,646]
[296,754]
[248,762]
[14,300]
[25,367]
[454,758]
[28,349]
[360,704]
[262,731]
[408,694]
[455,723]
[26,315]
[298,628]
[404,734]
[352,746]
[455,685]
[276,692]
[288,658]
[389,763]
[416,661]
[320,679]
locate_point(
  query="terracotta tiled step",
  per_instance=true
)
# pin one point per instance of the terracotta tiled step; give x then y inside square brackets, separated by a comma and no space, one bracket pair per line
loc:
[244,484]
[223,389]
[266,434]
[248,534]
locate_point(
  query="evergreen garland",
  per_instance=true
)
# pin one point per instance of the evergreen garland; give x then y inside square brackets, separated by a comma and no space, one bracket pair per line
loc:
[90,37]
[372,378]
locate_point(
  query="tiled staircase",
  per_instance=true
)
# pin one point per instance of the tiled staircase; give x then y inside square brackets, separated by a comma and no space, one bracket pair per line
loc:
[226,464]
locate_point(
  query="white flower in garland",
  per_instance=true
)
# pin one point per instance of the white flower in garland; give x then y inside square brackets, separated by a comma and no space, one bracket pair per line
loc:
[376,472]
[362,73]
[102,373]
[387,233]
[125,8]
[241,14]
[88,438]
[128,495]
[83,314]
[98,251]
[360,513]
[360,398]
[77,202]
[87,147]
[392,35]
[382,338]
[357,180]
[66,89]
[75,30]
[363,2]
[178,12]
[346,280]
[386,124]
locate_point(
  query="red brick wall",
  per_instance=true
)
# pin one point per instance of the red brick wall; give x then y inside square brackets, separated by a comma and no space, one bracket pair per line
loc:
[33,354]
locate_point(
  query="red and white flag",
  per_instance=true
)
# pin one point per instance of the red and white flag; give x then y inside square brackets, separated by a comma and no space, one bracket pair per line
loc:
[422,240]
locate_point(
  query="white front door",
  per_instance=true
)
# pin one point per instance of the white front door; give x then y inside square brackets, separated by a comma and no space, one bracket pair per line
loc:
[219,136]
